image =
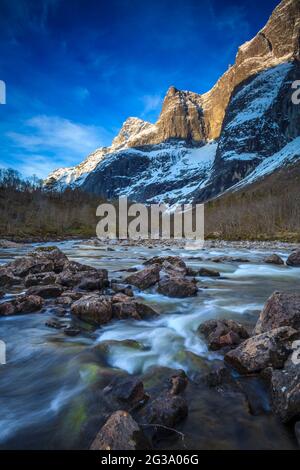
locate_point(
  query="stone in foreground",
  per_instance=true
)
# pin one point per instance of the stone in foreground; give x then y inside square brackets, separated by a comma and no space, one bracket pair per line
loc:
[177,287]
[120,432]
[281,309]
[269,349]
[96,309]
[294,259]
[285,391]
[145,278]
[274,259]
[223,333]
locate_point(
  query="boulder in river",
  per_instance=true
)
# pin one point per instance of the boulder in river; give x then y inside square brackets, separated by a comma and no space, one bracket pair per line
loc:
[167,410]
[294,259]
[274,259]
[22,304]
[96,309]
[205,272]
[223,333]
[132,309]
[52,290]
[40,279]
[177,287]
[7,278]
[281,309]
[120,432]
[285,391]
[145,278]
[128,391]
[269,349]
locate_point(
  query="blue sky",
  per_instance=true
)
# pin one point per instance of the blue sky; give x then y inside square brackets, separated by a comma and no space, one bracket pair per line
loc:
[75,70]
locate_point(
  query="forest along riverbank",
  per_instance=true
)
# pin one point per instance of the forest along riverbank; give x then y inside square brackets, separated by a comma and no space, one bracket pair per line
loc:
[180,348]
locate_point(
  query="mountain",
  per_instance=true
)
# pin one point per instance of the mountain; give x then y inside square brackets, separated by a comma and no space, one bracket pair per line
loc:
[202,145]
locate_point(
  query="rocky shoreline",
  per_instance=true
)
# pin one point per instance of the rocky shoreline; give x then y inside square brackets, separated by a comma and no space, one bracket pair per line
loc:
[79,294]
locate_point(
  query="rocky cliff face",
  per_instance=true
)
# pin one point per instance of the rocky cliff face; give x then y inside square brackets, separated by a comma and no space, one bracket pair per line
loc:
[248,115]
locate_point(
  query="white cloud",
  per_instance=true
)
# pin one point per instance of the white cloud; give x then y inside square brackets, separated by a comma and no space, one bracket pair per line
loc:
[53,132]
[151,103]
[47,142]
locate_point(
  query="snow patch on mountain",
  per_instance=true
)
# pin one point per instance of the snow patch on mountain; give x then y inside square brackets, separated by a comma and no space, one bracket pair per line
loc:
[259,95]
[286,156]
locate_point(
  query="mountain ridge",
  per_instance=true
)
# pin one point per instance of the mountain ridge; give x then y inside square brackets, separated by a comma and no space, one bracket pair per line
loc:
[189,120]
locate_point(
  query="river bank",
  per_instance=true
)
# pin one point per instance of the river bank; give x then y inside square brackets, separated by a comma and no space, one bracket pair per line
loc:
[55,388]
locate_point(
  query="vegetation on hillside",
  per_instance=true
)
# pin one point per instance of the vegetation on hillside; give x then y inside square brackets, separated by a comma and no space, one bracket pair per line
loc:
[267,210]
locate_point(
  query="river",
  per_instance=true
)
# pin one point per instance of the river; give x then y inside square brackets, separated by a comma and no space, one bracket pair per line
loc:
[48,388]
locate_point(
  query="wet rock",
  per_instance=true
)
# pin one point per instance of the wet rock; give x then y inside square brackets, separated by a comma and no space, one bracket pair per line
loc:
[7,278]
[21,304]
[93,279]
[218,374]
[129,391]
[174,261]
[103,348]
[281,309]
[132,309]
[294,259]
[54,323]
[285,392]
[96,309]
[205,272]
[145,278]
[223,333]
[22,267]
[274,259]
[269,349]
[179,381]
[120,432]
[121,298]
[40,279]
[53,254]
[177,287]
[174,269]
[45,291]
[228,259]
[10,244]
[70,331]
[167,410]
[122,288]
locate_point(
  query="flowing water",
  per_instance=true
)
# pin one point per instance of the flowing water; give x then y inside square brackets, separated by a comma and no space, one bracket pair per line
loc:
[48,388]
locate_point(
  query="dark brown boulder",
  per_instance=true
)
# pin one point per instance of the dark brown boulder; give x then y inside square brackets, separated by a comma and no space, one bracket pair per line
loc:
[21,304]
[46,292]
[120,432]
[129,391]
[269,349]
[285,391]
[223,333]
[96,309]
[177,287]
[274,259]
[132,309]
[145,278]
[167,410]
[7,278]
[40,279]
[175,261]
[122,288]
[281,309]
[294,259]
[179,381]
[205,272]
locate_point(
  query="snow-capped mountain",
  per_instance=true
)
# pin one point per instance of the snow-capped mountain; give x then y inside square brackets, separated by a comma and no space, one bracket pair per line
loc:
[202,145]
